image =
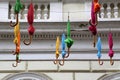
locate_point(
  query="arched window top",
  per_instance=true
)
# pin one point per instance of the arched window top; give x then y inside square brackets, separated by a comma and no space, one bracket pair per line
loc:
[27,76]
[115,76]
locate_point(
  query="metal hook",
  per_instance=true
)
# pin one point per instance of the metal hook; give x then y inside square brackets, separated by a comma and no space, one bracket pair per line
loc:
[67,55]
[100,62]
[63,61]
[111,61]
[11,23]
[30,40]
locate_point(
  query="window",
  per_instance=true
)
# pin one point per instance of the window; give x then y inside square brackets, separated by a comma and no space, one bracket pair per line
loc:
[115,76]
[27,76]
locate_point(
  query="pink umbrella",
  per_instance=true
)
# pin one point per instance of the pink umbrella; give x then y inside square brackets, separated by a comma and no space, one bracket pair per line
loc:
[111,52]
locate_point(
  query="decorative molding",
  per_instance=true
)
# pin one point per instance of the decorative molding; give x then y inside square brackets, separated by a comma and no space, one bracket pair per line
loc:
[27,76]
[76,34]
[115,76]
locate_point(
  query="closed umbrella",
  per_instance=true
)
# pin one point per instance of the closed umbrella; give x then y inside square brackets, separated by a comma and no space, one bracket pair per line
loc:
[99,45]
[31,29]
[57,50]
[17,43]
[63,49]
[95,7]
[111,52]
[68,40]
[17,7]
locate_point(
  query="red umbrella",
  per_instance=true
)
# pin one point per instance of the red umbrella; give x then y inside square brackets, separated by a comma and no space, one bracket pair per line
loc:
[111,52]
[30,18]
[93,24]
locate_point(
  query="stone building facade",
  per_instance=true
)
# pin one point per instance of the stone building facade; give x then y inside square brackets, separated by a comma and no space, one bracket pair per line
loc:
[50,21]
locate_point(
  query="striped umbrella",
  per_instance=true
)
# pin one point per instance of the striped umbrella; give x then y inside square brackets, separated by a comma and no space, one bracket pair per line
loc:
[17,43]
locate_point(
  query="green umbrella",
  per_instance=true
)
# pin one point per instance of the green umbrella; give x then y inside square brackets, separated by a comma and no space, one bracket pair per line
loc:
[18,6]
[68,41]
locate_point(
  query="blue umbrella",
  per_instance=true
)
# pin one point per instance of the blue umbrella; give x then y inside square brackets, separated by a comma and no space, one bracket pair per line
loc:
[63,46]
[63,49]
[99,50]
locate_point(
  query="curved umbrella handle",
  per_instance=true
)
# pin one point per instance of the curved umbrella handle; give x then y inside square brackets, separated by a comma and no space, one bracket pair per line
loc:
[111,61]
[11,23]
[62,62]
[15,65]
[100,62]
[67,55]
[56,61]
[94,40]
[17,61]
[29,41]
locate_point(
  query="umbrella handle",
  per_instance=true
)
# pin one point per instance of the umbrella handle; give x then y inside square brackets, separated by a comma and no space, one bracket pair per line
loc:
[94,40]
[56,61]
[100,62]
[111,61]
[17,61]
[29,42]
[67,55]
[11,23]
[15,65]
[63,61]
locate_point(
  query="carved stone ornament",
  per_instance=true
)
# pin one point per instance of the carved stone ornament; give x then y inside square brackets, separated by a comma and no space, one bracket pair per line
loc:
[27,76]
[115,76]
